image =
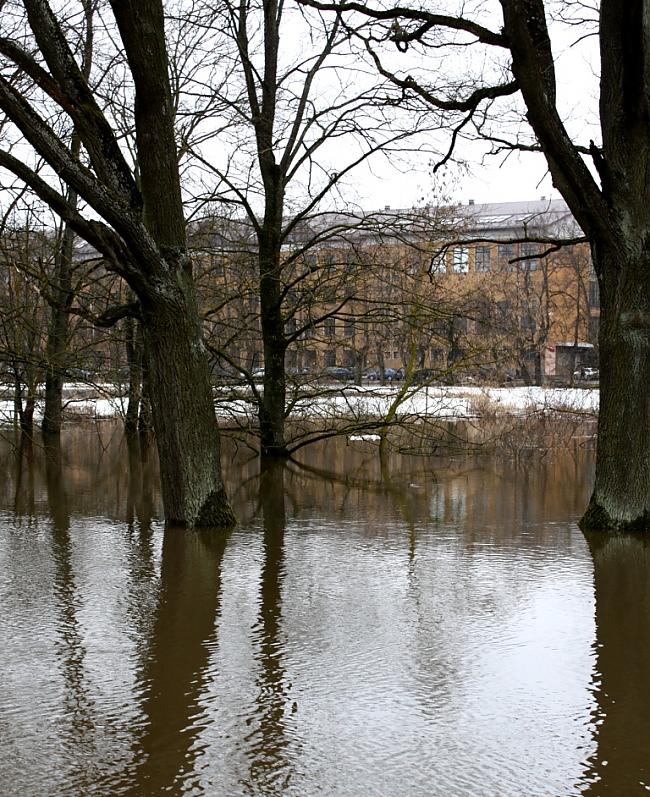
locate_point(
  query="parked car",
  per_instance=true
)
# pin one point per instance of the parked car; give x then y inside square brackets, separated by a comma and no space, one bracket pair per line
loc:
[339,372]
[221,376]
[588,374]
[390,374]
[79,375]
[298,371]
[424,375]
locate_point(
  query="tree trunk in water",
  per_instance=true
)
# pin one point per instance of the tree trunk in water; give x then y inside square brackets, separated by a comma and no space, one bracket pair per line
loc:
[272,407]
[57,336]
[621,496]
[54,374]
[134,360]
[57,347]
[24,406]
[183,411]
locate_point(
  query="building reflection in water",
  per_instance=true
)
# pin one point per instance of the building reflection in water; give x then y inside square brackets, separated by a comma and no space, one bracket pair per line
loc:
[451,607]
[621,764]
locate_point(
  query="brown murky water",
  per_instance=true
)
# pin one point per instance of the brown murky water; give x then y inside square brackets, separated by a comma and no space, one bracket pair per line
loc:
[414,631]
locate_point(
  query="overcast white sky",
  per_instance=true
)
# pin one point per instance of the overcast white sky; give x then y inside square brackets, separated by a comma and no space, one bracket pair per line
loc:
[517,177]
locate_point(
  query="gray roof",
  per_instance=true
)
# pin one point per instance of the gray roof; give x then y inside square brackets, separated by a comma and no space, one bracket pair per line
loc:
[505,219]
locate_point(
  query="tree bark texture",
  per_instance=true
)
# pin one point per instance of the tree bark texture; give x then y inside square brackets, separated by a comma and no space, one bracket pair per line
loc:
[614,216]
[621,496]
[183,410]
[272,405]
[176,361]
[57,336]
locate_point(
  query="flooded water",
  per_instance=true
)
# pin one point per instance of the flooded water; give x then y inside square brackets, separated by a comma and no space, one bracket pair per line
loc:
[413,630]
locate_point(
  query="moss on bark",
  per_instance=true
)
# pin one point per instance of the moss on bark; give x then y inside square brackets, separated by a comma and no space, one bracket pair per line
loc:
[597,518]
[216,511]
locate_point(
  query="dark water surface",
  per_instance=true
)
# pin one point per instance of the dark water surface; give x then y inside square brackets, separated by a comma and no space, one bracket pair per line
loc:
[412,630]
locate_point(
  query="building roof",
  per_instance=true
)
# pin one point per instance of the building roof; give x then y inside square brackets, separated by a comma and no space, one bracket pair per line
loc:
[509,219]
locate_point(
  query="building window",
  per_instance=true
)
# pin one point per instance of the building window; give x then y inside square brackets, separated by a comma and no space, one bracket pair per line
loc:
[217,265]
[594,294]
[348,329]
[528,323]
[439,263]
[412,262]
[530,251]
[507,253]
[482,257]
[330,327]
[460,260]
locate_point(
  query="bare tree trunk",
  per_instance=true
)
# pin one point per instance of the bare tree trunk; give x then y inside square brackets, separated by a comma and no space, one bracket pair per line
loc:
[57,337]
[183,410]
[175,357]
[134,360]
[621,497]
[272,406]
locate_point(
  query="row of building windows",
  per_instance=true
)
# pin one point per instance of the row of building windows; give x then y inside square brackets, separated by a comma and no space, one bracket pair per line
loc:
[523,256]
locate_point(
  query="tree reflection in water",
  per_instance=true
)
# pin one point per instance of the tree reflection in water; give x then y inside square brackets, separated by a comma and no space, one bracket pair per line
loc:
[359,624]
[78,717]
[269,767]
[621,764]
[176,671]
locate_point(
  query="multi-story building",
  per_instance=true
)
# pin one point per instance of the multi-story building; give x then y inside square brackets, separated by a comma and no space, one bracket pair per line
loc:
[481,291]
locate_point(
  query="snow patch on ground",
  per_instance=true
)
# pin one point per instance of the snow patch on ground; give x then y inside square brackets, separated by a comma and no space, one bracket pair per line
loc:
[453,402]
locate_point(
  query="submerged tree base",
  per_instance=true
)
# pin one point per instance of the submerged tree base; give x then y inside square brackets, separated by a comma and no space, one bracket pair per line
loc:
[216,511]
[597,518]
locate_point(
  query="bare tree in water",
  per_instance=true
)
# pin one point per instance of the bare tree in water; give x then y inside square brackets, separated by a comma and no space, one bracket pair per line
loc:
[138,225]
[603,181]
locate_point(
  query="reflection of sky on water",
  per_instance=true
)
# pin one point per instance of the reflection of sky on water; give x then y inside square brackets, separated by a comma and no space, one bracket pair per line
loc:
[432,636]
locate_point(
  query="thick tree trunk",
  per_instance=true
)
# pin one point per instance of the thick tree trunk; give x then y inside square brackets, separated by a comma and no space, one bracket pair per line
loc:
[272,407]
[54,375]
[621,496]
[183,411]
[175,358]
[134,360]
[57,336]
[58,333]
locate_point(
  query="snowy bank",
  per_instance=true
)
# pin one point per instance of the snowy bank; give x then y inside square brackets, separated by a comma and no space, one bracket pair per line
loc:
[444,402]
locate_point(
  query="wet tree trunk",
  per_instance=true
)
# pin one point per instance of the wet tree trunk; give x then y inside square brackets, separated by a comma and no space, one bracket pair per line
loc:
[182,408]
[613,213]
[272,406]
[175,358]
[134,360]
[57,337]
[621,497]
